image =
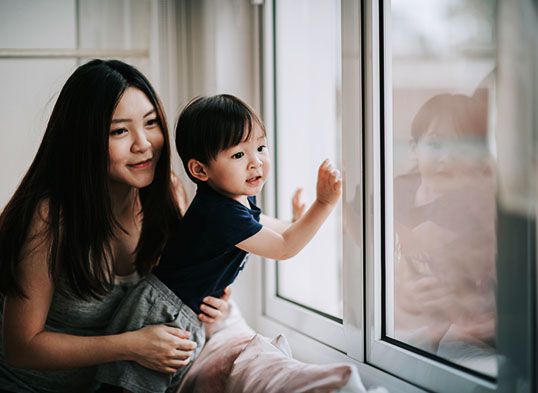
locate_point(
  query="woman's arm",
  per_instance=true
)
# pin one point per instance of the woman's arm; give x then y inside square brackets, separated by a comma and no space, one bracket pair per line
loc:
[28,345]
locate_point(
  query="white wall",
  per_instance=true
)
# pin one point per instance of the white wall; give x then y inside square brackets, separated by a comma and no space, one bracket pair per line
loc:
[30,86]
[41,43]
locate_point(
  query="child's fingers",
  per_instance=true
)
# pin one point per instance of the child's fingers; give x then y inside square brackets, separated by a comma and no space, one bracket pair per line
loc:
[210,313]
[336,174]
[325,170]
[329,176]
[227,293]
[216,303]
[296,200]
[323,167]
[338,184]
[205,318]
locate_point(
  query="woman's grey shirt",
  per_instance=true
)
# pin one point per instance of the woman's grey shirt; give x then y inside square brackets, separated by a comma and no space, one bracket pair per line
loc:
[69,316]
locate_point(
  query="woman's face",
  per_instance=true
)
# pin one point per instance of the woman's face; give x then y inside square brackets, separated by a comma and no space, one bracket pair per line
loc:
[135,141]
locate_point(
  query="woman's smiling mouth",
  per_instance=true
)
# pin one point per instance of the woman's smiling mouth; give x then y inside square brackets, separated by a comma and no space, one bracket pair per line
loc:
[142,164]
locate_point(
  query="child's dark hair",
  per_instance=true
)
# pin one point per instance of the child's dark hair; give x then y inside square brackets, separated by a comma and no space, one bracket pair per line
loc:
[208,125]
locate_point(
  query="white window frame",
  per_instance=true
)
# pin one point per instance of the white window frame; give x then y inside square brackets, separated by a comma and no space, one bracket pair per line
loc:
[359,338]
[406,364]
[308,331]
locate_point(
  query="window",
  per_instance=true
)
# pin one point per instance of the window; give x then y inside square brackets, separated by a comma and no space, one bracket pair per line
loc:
[442,320]
[307,35]
[440,211]
[438,236]
[305,45]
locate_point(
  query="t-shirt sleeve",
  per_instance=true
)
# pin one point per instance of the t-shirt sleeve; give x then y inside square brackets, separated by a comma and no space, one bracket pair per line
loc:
[231,223]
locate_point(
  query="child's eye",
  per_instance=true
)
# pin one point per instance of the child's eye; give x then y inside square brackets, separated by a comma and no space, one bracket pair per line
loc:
[238,155]
[434,144]
[118,131]
[262,148]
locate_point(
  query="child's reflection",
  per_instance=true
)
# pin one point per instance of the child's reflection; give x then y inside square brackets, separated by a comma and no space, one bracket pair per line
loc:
[445,229]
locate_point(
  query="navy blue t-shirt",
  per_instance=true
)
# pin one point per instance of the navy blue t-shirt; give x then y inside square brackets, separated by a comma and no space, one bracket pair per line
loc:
[201,259]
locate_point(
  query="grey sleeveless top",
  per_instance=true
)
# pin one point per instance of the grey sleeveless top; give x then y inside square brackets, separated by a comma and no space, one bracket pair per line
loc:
[70,316]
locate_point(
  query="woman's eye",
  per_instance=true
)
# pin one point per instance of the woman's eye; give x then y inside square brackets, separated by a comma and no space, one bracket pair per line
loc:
[238,155]
[262,148]
[118,131]
[152,122]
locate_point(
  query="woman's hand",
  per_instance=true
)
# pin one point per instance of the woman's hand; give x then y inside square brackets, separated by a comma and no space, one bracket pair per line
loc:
[297,205]
[214,308]
[159,347]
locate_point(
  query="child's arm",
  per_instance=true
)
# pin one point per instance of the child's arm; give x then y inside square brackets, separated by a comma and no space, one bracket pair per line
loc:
[269,243]
[279,226]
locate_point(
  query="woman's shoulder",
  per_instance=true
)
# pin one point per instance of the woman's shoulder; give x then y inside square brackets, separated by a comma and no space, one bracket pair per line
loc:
[39,232]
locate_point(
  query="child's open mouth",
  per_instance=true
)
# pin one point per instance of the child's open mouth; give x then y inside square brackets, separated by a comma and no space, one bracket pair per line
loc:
[254,180]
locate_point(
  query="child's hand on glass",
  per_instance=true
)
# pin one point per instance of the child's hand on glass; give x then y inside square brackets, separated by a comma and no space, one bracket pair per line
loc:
[329,187]
[297,205]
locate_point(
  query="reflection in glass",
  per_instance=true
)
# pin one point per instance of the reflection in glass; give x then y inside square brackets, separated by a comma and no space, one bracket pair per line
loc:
[443,190]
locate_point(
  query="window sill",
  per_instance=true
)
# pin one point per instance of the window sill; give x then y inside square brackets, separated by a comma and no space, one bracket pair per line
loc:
[309,350]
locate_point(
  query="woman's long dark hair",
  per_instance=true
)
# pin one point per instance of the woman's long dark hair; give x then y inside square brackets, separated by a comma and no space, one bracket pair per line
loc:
[69,174]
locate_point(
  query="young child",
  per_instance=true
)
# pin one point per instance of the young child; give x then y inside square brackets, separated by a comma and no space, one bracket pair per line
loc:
[223,146]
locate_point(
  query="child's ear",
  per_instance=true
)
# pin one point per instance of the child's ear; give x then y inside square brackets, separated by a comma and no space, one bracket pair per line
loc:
[197,169]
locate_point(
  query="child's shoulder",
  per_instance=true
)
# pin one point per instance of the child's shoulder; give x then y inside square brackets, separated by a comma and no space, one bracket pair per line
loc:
[212,205]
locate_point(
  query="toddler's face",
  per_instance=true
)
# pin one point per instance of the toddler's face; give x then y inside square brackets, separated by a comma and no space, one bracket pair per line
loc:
[242,169]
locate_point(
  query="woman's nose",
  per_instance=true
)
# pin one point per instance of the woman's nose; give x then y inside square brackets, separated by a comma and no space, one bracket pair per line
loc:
[140,143]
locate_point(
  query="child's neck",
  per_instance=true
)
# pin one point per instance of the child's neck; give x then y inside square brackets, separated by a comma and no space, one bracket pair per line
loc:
[243,200]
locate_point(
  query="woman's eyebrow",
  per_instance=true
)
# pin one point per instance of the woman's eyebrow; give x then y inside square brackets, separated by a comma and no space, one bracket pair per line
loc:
[150,112]
[120,120]
[128,120]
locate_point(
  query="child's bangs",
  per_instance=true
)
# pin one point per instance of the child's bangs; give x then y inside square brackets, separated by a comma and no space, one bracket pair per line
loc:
[239,128]
[224,122]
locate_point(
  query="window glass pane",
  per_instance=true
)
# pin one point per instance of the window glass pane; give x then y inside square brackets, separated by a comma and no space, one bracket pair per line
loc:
[307,37]
[440,180]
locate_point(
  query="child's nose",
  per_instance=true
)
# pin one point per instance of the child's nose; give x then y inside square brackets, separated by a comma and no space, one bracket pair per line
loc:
[256,162]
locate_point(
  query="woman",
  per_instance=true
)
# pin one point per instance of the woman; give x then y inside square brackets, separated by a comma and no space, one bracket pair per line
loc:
[90,216]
